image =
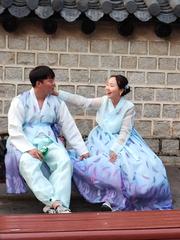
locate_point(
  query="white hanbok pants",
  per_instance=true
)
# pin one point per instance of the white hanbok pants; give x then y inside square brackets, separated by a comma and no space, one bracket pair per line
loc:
[58,185]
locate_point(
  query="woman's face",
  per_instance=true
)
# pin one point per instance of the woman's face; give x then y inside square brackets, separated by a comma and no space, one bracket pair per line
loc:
[112,89]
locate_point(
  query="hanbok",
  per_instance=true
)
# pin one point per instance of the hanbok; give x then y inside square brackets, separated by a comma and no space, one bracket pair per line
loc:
[31,127]
[137,180]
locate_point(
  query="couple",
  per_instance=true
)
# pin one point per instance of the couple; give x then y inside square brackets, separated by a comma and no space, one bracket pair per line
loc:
[115,168]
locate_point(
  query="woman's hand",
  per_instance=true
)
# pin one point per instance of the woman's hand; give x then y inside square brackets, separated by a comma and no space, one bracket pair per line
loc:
[84,156]
[112,156]
[55,93]
[35,153]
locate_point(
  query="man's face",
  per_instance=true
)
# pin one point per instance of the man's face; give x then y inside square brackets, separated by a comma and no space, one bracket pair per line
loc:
[47,86]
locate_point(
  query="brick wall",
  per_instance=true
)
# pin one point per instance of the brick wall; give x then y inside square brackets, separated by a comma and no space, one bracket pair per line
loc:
[82,63]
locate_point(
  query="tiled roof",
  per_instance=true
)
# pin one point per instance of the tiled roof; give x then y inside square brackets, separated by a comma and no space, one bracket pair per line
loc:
[166,11]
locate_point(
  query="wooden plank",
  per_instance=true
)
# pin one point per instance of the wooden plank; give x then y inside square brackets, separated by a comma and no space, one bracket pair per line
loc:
[118,225]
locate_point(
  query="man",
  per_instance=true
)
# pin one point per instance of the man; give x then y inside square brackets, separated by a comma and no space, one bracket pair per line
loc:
[31,118]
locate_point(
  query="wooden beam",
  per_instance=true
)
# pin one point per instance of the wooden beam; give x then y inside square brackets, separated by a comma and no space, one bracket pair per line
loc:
[130,5]
[106,6]
[149,225]
[153,7]
[82,5]
[175,4]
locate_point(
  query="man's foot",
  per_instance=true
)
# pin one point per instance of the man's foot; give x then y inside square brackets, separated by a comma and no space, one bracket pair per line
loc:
[106,207]
[62,209]
[49,210]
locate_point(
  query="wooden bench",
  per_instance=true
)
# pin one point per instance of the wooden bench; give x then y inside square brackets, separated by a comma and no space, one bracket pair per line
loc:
[149,225]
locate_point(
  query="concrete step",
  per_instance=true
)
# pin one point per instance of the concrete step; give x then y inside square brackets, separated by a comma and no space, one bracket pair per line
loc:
[27,203]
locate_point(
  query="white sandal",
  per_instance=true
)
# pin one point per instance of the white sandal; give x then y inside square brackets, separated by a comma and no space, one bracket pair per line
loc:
[49,210]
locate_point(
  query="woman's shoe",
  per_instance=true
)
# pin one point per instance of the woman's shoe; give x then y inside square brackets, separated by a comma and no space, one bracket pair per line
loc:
[106,207]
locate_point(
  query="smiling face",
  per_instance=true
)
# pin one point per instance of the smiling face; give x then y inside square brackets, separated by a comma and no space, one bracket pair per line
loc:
[112,89]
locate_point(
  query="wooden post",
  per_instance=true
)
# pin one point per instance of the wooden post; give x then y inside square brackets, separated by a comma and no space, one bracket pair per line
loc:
[175,4]
[57,5]
[106,6]
[153,7]
[6,3]
[82,5]
[32,4]
[130,5]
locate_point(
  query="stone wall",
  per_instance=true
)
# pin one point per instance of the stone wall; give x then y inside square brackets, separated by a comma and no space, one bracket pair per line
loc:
[83,63]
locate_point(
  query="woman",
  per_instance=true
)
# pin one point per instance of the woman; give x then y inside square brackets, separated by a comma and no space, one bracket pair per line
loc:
[122,172]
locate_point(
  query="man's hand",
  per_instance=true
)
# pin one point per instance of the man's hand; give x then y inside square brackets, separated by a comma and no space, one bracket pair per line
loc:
[55,93]
[84,156]
[35,153]
[112,156]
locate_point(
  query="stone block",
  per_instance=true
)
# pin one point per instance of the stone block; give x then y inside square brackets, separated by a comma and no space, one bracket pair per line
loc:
[154,144]
[171,111]
[77,45]
[147,63]
[176,128]
[120,47]
[89,61]
[49,59]
[144,94]
[86,91]
[13,74]
[79,75]
[7,90]
[138,47]
[99,46]
[136,77]
[138,110]
[84,125]
[7,58]
[58,44]
[175,48]
[152,110]
[98,76]
[170,147]
[37,43]
[3,124]
[128,62]
[6,106]
[177,94]
[158,48]
[164,94]
[23,87]
[162,129]
[100,91]
[67,60]
[2,41]
[167,64]
[109,61]
[1,73]
[1,107]
[156,78]
[173,79]
[26,58]
[61,75]
[17,42]
[68,88]
[143,127]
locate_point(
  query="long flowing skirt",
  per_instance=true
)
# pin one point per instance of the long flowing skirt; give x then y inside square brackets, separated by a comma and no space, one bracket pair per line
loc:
[136,181]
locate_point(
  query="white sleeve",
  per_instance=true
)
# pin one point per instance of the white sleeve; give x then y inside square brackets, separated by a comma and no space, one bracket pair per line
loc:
[79,100]
[70,130]
[126,128]
[15,126]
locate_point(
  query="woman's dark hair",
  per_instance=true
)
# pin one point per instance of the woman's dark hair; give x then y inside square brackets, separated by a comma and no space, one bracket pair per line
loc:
[122,83]
[40,73]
